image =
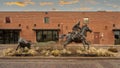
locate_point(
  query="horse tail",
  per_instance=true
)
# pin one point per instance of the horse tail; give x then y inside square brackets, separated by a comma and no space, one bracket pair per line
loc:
[62,36]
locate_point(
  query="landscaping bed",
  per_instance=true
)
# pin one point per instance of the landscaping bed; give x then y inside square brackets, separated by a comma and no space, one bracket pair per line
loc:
[59,51]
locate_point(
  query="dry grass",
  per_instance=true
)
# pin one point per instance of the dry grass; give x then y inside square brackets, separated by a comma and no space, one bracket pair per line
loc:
[9,52]
[19,52]
[50,51]
[113,49]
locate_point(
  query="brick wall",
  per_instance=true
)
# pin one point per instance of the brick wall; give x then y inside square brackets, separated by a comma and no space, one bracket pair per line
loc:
[101,22]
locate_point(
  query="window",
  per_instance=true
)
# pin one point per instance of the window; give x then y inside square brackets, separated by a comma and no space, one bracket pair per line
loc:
[9,36]
[47,35]
[7,20]
[46,20]
[86,20]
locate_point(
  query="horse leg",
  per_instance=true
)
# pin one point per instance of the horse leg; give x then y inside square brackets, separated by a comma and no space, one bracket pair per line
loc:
[28,45]
[17,47]
[83,42]
[66,43]
[88,46]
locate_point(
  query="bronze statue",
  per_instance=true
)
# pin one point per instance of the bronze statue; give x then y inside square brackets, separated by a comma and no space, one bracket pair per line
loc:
[76,27]
[22,43]
[79,36]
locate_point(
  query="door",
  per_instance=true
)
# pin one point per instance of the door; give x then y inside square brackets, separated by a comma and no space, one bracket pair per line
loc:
[96,37]
[117,37]
[1,37]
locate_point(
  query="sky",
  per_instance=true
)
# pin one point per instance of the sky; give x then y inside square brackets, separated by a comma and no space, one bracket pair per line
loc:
[59,5]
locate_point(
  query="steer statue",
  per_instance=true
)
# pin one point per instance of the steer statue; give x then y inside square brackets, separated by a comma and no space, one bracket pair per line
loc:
[22,43]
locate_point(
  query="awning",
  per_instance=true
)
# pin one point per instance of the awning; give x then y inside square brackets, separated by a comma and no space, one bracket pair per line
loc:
[115,29]
[19,29]
[37,29]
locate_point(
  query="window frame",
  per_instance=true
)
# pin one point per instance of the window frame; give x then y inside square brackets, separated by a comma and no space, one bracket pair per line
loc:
[46,20]
[86,20]
[7,19]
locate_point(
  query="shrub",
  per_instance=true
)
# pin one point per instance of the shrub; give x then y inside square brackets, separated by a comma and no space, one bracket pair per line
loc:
[8,52]
[32,52]
[65,52]
[55,52]
[113,49]
[104,52]
[45,53]
[95,52]
[49,51]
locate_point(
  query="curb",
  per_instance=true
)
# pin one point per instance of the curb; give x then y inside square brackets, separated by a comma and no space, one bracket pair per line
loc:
[62,58]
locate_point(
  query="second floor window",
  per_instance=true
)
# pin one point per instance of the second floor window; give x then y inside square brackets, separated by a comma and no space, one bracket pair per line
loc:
[86,20]
[7,20]
[46,19]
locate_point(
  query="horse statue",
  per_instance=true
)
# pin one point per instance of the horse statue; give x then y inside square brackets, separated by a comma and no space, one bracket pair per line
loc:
[80,36]
[22,43]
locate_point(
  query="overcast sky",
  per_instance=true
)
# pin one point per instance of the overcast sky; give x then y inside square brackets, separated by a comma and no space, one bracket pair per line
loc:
[59,5]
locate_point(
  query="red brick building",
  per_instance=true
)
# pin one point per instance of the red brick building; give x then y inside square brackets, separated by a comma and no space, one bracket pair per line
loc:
[46,26]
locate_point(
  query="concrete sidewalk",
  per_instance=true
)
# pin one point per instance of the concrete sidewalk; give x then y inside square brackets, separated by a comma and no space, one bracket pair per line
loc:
[59,63]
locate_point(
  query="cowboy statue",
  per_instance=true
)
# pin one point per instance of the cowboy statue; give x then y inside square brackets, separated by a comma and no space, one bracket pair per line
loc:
[76,27]
[78,35]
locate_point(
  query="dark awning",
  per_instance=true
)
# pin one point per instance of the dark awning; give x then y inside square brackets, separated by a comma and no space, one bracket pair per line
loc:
[19,29]
[116,30]
[37,29]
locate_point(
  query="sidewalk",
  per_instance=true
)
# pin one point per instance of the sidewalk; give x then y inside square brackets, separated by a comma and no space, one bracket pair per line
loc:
[58,63]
